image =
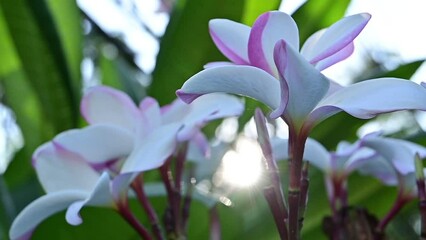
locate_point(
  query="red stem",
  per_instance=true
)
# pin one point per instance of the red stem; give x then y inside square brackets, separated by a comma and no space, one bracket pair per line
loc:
[273,193]
[144,201]
[275,207]
[304,187]
[397,206]
[296,148]
[180,162]
[421,191]
[125,212]
[215,229]
[174,200]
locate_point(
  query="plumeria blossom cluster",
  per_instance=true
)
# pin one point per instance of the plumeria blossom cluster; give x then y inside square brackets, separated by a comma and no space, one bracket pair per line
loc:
[104,163]
[390,160]
[267,65]
[99,164]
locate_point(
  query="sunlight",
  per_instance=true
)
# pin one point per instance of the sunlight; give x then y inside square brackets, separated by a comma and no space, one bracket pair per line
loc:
[242,166]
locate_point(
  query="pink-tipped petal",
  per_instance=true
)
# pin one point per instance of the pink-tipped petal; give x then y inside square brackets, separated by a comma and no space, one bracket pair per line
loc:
[381,169]
[103,104]
[231,38]
[266,31]
[338,36]
[59,169]
[242,80]
[335,58]
[100,196]
[372,97]
[99,143]
[152,151]
[399,153]
[306,85]
[40,209]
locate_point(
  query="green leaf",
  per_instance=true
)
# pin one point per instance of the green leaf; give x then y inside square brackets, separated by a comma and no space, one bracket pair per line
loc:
[43,60]
[67,19]
[187,46]
[405,71]
[9,62]
[254,8]
[34,125]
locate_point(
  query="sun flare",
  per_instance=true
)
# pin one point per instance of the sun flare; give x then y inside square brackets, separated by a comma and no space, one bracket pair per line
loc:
[242,166]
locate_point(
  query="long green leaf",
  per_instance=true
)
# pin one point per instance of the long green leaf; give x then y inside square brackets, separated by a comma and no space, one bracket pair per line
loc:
[40,50]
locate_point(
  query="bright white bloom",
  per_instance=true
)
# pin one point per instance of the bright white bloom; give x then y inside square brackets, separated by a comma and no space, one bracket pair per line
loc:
[303,96]
[94,166]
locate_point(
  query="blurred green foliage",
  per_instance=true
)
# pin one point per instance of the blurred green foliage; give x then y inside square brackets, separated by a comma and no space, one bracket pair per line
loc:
[41,49]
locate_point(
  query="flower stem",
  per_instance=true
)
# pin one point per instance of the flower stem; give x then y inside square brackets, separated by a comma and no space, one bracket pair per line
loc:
[179,167]
[172,215]
[421,192]
[422,207]
[277,213]
[273,193]
[304,187]
[186,206]
[397,206]
[215,230]
[123,209]
[137,186]
[296,148]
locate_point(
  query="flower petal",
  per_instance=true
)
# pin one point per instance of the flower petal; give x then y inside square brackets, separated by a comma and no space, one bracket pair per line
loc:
[231,38]
[200,141]
[266,31]
[371,97]
[306,85]
[59,169]
[337,37]
[381,169]
[207,108]
[242,80]
[358,158]
[335,58]
[98,144]
[100,196]
[120,186]
[217,64]
[394,151]
[151,113]
[308,48]
[151,152]
[103,104]
[40,209]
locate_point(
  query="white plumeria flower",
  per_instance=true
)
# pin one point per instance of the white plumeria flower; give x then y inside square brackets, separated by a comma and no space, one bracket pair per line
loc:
[94,166]
[303,96]
[394,162]
[373,154]
[254,46]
